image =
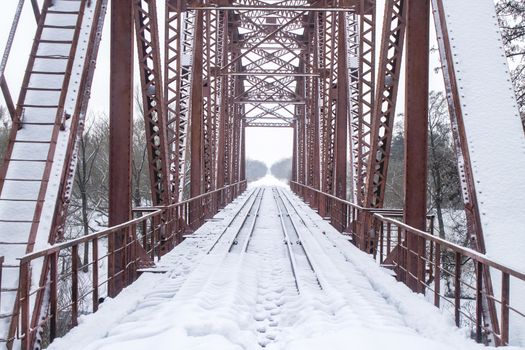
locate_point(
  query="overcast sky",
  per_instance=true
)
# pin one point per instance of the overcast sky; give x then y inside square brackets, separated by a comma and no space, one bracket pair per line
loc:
[266,144]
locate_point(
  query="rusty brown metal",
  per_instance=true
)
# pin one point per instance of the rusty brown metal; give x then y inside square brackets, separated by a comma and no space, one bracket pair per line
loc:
[178,50]
[364,97]
[341,122]
[196,121]
[120,136]
[7,98]
[416,125]
[153,104]
[224,39]
[391,51]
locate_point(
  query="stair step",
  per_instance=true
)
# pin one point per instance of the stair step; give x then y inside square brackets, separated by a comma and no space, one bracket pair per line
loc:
[26,160]
[18,221]
[52,57]
[31,141]
[60,12]
[27,180]
[37,123]
[47,73]
[39,106]
[41,89]
[53,26]
[47,41]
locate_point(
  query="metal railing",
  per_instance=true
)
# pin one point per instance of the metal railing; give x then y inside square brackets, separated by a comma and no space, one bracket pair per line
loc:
[77,270]
[451,275]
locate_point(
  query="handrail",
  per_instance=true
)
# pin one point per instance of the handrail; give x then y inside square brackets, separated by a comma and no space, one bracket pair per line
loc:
[356,206]
[189,200]
[154,211]
[142,241]
[457,248]
[464,250]
[85,239]
[418,259]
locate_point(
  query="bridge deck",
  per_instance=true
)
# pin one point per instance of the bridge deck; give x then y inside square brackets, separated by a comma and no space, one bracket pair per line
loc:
[292,282]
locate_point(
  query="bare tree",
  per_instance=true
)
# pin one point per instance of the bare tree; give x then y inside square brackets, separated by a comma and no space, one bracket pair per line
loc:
[443,181]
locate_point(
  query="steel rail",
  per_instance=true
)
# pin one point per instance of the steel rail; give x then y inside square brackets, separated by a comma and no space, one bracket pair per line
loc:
[233,219]
[291,256]
[297,234]
[255,215]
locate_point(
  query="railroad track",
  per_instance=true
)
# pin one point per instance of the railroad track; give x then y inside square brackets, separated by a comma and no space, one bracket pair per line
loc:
[302,268]
[244,234]
[254,194]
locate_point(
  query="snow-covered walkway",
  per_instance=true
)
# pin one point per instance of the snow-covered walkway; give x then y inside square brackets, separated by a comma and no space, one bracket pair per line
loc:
[222,290]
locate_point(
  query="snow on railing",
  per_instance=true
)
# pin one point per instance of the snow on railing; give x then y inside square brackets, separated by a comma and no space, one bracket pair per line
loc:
[461,271]
[77,270]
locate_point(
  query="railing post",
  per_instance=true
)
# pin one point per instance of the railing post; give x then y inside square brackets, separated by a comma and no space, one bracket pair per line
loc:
[25,283]
[437,274]
[479,298]
[388,238]
[53,307]
[381,243]
[95,273]
[457,288]
[152,238]
[74,285]
[401,256]
[505,300]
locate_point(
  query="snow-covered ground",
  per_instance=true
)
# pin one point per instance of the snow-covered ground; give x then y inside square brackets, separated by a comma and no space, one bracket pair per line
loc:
[205,297]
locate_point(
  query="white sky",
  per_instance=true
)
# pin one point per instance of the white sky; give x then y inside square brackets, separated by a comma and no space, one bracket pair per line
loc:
[266,144]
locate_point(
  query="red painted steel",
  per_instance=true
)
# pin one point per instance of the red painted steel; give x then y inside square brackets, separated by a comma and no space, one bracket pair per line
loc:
[153,104]
[416,135]
[392,44]
[120,135]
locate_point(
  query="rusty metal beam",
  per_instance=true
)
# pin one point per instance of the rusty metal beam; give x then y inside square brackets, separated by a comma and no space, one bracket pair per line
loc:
[153,104]
[341,119]
[196,123]
[8,98]
[416,135]
[120,135]
[392,43]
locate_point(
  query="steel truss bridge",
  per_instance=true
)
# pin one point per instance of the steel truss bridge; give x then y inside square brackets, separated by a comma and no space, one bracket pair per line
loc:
[218,67]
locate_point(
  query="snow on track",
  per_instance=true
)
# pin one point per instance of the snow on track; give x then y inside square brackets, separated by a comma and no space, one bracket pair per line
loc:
[250,300]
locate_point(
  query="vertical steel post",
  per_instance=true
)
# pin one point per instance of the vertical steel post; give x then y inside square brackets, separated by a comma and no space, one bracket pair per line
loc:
[416,125]
[223,107]
[120,132]
[389,69]
[341,121]
[294,150]
[196,123]
[242,169]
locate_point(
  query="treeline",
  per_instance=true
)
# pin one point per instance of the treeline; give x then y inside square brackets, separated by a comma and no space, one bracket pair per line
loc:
[255,170]
[282,169]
